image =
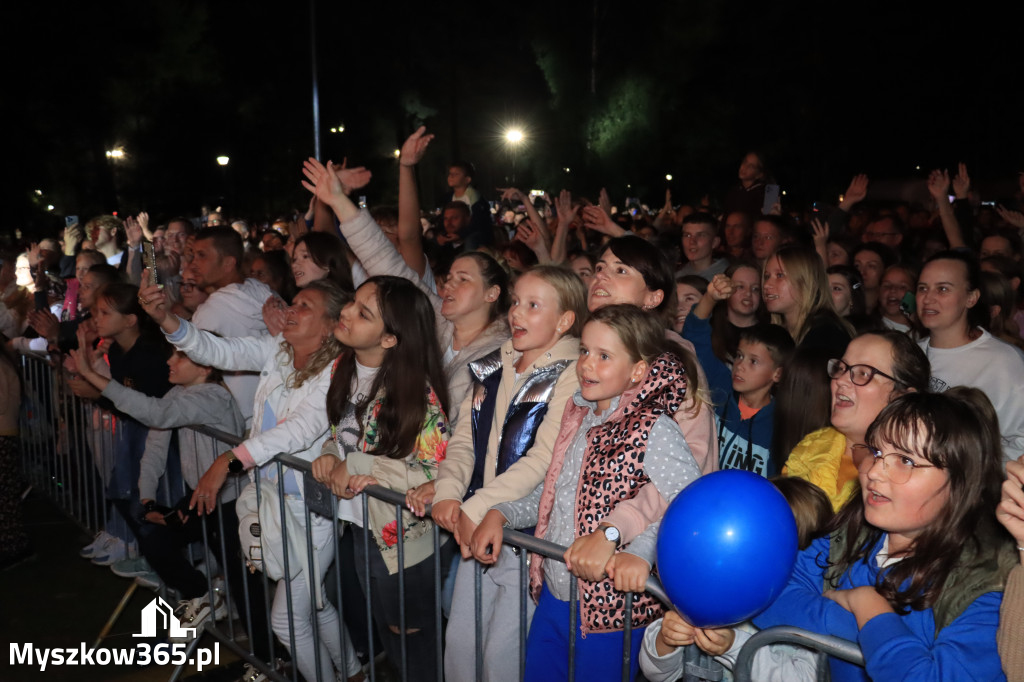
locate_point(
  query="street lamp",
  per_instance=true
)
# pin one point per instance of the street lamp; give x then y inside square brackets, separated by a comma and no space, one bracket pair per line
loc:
[514,137]
[115,153]
[223,160]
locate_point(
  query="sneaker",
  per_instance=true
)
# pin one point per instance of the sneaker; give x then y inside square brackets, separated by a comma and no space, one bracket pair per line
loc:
[252,674]
[195,612]
[100,539]
[112,552]
[150,581]
[130,568]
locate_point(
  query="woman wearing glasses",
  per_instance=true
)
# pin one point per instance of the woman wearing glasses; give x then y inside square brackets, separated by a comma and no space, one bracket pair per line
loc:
[875,369]
[914,565]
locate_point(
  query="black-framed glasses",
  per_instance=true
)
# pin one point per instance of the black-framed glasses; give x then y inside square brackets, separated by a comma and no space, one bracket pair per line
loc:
[860,375]
[896,466]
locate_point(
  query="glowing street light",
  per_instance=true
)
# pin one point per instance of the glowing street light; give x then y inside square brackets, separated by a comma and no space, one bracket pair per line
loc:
[514,137]
[116,153]
[669,177]
[338,128]
[397,153]
[223,160]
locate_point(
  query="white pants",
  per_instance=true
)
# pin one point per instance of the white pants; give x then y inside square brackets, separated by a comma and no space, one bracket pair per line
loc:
[331,632]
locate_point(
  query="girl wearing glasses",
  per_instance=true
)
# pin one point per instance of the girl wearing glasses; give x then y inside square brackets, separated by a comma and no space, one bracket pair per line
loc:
[875,369]
[914,566]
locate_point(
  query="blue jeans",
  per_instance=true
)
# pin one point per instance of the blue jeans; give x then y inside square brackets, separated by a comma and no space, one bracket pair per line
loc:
[598,657]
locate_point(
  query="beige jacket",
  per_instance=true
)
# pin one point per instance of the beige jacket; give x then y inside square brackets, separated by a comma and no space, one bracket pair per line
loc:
[1011,626]
[526,474]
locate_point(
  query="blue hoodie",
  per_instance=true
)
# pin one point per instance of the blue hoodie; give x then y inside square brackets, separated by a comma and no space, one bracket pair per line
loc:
[742,443]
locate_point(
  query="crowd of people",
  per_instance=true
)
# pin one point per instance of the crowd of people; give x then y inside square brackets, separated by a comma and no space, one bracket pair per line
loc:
[564,367]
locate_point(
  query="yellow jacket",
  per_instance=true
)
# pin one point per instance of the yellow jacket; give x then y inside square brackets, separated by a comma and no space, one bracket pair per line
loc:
[817,459]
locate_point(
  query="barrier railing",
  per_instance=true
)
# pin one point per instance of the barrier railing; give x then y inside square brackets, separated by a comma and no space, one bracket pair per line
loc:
[67,446]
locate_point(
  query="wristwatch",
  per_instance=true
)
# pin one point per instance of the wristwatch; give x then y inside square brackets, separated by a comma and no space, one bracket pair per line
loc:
[235,465]
[611,533]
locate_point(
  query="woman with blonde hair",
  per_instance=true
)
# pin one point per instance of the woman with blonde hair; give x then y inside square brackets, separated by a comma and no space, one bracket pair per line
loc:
[797,294]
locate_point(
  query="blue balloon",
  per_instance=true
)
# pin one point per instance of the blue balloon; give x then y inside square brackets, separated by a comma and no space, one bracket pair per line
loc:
[726,548]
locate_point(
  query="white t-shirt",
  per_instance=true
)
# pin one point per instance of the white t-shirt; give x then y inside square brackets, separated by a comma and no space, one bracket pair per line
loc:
[995,368]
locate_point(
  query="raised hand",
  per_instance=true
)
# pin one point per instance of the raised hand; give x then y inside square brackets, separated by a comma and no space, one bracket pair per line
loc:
[415,147]
[598,220]
[819,232]
[564,208]
[667,208]
[512,194]
[154,301]
[938,186]
[721,287]
[351,178]
[962,182]
[133,230]
[72,238]
[856,192]
[532,237]
[1015,218]
[604,202]
[322,181]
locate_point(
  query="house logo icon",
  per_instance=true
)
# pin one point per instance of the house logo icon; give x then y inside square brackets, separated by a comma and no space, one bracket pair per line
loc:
[158,616]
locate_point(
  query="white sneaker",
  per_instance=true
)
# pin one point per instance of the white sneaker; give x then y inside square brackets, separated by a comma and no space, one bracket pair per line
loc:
[100,539]
[130,568]
[150,581]
[111,552]
[193,613]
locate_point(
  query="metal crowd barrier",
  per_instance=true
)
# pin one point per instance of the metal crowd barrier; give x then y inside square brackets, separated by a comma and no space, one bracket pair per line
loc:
[66,439]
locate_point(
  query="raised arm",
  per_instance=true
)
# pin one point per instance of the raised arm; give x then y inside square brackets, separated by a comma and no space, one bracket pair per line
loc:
[566,215]
[410,238]
[938,187]
[514,194]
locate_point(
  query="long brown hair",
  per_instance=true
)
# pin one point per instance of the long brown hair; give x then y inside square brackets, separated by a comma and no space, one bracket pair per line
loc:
[954,436]
[411,366]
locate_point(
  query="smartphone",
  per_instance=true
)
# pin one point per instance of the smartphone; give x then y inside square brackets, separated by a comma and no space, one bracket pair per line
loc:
[771,197]
[908,304]
[149,262]
[70,220]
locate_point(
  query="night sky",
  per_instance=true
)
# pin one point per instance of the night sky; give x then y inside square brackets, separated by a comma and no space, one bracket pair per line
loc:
[620,93]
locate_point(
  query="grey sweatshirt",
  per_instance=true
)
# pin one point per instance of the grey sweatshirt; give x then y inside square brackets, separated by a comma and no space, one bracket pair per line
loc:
[182,406]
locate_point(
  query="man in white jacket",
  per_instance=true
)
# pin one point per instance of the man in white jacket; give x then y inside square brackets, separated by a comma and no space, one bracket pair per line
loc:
[235,308]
